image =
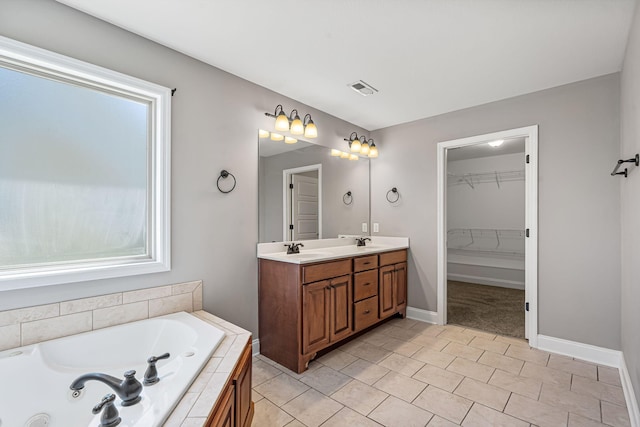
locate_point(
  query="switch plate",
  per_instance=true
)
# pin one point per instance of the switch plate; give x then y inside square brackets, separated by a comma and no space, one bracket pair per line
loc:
[376,227]
[364,227]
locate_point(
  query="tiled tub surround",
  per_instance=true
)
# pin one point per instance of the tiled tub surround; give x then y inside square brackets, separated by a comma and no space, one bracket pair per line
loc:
[40,323]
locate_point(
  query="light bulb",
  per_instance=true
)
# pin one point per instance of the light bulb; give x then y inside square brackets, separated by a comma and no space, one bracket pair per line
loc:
[297,128]
[289,140]
[276,137]
[364,149]
[373,151]
[496,143]
[310,130]
[282,122]
[355,146]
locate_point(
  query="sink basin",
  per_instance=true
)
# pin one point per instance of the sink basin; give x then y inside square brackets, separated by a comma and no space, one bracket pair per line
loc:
[308,255]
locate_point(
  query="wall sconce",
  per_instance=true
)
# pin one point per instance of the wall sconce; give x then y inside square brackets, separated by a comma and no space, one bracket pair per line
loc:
[293,123]
[362,146]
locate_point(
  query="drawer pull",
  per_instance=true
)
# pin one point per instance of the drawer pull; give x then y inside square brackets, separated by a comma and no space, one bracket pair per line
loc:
[367,311]
[366,284]
[366,263]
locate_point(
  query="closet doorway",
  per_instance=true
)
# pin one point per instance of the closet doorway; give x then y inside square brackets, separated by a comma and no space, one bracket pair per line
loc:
[487,233]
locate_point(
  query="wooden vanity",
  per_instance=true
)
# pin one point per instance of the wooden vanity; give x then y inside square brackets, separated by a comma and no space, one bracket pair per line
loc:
[304,308]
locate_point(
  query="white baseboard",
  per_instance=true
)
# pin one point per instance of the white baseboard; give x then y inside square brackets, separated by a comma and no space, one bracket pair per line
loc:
[629,395]
[590,353]
[255,347]
[422,315]
[486,281]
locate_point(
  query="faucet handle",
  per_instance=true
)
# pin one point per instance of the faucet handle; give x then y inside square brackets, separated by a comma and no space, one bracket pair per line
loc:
[151,374]
[154,359]
[110,416]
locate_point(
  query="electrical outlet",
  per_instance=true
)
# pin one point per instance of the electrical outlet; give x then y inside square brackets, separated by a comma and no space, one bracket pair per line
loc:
[376,227]
[364,227]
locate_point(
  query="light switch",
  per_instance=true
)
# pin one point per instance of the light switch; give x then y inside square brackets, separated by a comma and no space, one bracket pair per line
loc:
[364,227]
[376,227]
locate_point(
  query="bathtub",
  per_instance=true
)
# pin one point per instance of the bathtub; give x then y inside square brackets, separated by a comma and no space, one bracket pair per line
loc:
[35,379]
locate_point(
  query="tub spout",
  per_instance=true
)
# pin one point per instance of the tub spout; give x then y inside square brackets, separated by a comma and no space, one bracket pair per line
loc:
[128,389]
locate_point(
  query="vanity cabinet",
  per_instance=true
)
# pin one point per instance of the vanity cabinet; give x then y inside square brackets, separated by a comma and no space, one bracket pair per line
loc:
[235,408]
[305,308]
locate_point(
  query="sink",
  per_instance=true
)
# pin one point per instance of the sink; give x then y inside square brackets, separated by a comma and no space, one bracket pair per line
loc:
[308,255]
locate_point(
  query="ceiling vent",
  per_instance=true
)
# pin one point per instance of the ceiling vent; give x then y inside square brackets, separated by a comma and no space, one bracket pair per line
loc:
[363,88]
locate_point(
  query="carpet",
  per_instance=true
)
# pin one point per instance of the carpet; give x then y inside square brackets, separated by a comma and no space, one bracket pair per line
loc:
[487,308]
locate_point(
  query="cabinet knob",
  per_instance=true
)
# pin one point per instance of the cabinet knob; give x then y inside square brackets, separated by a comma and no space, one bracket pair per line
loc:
[366,284]
[367,311]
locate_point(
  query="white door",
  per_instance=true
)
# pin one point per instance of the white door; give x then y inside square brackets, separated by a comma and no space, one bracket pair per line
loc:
[304,207]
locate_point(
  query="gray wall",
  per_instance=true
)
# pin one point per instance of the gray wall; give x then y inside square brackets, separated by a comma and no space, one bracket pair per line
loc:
[214,126]
[630,202]
[579,203]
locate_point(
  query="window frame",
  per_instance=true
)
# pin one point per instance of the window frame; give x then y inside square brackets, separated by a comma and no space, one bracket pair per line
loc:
[40,62]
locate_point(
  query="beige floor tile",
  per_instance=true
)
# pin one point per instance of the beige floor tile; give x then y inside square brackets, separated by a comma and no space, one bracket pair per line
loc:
[580,421]
[573,366]
[404,348]
[281,389]
[481,416]
[337,359]
[513,341]
[471,369]
[432,330]
[368,352]
[609,375]
[401,364]
[398,413]
[262,371]
[438,421]
[435,358]
[326,380]
[269,415]
[614,415]
[447,405]
[255,396]
[528,354]
[504,363]
[401,333]
[376,338]
[480,334]
[464,351]
[580,404]
[546,375]
[349,417]
[364,371]
[535,412]
[599,390]
[489,345]
[359,396]
[405,323]
[400,386]
[312,408]
[423,327]
[485,394]
[430,342]
[461,337]
[438,377]
[295,423]
[529,387]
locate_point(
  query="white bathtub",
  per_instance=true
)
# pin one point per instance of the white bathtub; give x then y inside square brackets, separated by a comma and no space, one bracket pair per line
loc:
[35,379]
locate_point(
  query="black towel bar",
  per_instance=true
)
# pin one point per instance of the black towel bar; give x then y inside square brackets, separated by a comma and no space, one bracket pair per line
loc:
[635,160]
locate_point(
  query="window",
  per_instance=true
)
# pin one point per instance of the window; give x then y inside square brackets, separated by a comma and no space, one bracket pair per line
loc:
[84,171]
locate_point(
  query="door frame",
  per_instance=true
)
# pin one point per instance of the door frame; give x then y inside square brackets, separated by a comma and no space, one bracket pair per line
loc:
[531,220]
[286,200]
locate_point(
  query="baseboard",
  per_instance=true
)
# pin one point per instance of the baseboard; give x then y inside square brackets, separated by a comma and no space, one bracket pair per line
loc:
[629,394]
[422,315]
[486,281]
[255,347]
[587,352]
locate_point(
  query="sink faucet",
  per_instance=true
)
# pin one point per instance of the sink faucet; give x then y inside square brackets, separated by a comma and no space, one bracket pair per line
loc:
[361,241]
[128,389]
[293,248]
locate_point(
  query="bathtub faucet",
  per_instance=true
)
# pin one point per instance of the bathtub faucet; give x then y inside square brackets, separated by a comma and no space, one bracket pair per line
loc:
[128,389]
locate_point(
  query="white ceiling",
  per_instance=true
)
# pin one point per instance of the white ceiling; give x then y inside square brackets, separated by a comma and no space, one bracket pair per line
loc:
[426,57]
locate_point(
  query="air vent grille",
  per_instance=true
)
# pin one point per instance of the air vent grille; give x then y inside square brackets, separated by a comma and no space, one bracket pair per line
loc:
[363,88]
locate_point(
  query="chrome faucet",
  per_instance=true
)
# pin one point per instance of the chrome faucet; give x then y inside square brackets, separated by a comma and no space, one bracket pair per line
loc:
[361,241]
[128,389]
[293,248]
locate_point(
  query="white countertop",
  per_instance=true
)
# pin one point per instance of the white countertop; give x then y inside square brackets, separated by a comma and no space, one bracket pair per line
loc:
[328,249]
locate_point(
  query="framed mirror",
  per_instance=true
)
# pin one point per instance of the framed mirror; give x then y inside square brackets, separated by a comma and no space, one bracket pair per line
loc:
[306,193]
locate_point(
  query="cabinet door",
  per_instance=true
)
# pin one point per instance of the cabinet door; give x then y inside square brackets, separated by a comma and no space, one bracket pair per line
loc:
[315,316]
[386,295]
[400,285]
[341,307]
[226,416]
[242,382]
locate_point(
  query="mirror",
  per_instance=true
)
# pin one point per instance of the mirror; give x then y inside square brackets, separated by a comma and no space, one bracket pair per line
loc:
[303,186]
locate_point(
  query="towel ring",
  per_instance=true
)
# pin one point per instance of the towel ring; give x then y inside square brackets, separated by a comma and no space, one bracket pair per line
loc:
[347,199]
[224,174]
[394,190]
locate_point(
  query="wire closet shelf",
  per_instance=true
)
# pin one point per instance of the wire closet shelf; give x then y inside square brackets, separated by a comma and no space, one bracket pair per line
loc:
[487,240]
[496,177]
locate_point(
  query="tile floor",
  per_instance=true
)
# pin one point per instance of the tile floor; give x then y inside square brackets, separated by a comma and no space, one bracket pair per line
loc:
[408,373]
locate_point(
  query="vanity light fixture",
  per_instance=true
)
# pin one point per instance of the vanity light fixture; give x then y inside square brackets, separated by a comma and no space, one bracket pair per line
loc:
[335,153]
[293,123]
[353,157]
[496,143]
[373,150]
[289,140]
[360,145]
[364,147]
[263,133]
[354,142]
[276,136]
[344,155]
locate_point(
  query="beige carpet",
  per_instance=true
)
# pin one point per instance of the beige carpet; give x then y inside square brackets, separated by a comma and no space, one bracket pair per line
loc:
[488,308]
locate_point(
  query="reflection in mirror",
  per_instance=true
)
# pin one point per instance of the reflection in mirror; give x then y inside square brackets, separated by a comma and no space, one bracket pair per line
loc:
[315,208]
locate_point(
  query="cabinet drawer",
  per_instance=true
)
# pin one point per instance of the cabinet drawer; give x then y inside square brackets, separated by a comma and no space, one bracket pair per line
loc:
[365,313]
[327,270]
[365,285]
[393,257]
[365,263]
